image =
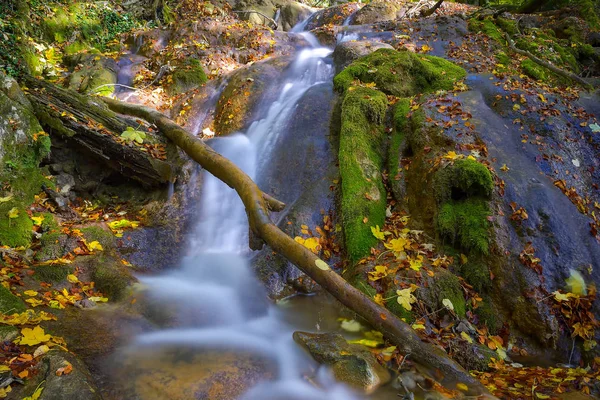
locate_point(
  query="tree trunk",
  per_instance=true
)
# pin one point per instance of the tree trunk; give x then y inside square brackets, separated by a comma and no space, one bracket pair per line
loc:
[88,124]
[258,205]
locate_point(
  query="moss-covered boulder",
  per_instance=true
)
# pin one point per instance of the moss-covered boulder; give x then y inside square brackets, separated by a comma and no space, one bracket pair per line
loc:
[189,75]
[345,53]
[23,144]
[443,285]
[464,178]
[111,277]
[401,73]
[94,74]
[361,163]
[335,15]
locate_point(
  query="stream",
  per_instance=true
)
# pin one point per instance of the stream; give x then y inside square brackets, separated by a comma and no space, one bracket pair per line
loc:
[220,305]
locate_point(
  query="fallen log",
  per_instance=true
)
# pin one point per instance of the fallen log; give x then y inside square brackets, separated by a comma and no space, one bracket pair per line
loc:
[545,64]
[87,124]
[258,205]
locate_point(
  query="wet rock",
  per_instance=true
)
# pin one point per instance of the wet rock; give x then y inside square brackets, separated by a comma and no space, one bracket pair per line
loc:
[379,11]
[351,364]
[191,374]
[64,183]
[290,12]
[77,385]
[335,15]
[345,53]
[92,73]
[247,88]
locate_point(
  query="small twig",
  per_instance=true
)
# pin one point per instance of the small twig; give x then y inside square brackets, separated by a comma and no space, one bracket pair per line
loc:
[572,350]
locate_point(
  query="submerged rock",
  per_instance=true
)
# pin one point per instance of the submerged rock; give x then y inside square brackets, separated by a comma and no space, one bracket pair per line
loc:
[350,364]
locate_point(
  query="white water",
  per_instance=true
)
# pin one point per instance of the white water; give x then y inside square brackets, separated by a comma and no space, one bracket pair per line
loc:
[220,303]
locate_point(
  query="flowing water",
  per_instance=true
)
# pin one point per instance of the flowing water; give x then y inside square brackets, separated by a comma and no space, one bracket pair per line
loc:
[219,303]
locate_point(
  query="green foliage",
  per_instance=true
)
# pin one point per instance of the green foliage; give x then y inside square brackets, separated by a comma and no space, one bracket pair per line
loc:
[363,194]
[132,135]
[401,73]
[465,223]
[9,303]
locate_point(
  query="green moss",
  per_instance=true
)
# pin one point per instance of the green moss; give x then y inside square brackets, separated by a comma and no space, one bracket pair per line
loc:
[51,248]
[401,111]
[189,76]
[104,237]
[503,58]
[111,279]
[488,27]
[401,73]
[363,193]
[463,178]
[8,333]
[52,273]
[477,274]
[9,303]
[15,232]
[32,63]
[395,307]
[488,316]
[465,223]
[507,25]
[447,286]
[362,285]
[534,70]
[49,223]
[76,47]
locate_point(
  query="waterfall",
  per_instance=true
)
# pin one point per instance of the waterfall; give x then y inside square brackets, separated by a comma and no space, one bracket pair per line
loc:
[220,304]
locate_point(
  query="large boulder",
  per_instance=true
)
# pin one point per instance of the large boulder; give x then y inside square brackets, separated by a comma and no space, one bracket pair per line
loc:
[350,364]
[335,15]
[379,11]
[290,12]
[345,53]
[93,73]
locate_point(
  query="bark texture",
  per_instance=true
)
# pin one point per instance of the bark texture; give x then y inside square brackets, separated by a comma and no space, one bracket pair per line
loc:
[88,124]
[258,205]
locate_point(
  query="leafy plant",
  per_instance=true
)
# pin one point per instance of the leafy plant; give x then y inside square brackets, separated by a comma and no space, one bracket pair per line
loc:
[131,135]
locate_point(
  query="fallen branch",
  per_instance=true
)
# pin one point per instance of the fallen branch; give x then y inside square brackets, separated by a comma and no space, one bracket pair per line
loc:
[259,13]
[545,64]
[430,11]
[258,205]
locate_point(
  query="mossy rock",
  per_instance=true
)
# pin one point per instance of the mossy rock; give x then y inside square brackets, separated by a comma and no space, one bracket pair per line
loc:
[488,316]
[464,178]
[401,73]
[97,75]
[443,285]
[189,75]
[503,58]
[465,223]
[9,303]
[363,193]
[488,27]
[8,333]
[477,274]
[52,273]
[111,278]
[534,70]
[102,236]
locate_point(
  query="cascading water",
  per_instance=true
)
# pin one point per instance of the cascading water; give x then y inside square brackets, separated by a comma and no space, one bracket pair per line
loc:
[219,302]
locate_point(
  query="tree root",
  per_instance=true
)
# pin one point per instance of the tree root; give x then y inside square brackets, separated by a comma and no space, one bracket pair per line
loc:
[553,68]
[258,205]
[430,11]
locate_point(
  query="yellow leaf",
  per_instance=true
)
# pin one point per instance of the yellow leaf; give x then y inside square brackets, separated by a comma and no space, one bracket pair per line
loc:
[451,155]
[13,213]
[5,391]
[448,304]
[462,387]
[576,283]
[471,158]
[36,395]
[542,98]
[366,342]
[378,298]
[95,245]
[466,337]
[72,278]
[406,298]
[504,168]
[43,349]
[388,351]
[34,336]
[377,232]
[416,263]
[37,221]
[558,296]
[380,271]
[516,107]
[398,245]
[541,396]
[99,299]
[4,368]
[5,199]
[351,325]
[31,293]
[417,327]
[34,302]
[321,264]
